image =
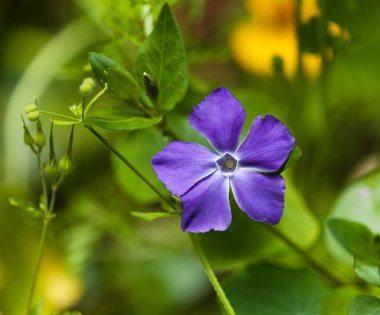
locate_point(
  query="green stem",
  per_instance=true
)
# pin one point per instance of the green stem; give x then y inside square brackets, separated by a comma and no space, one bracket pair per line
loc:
[211,275]
[132,168]
[40,252]
[57,115]
[94,99]
[318,267]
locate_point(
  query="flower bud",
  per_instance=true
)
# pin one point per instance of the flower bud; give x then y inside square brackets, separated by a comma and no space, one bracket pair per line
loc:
[51,170]
[87,86]
[28,139]
[39,138]
[32,112]
[65,165]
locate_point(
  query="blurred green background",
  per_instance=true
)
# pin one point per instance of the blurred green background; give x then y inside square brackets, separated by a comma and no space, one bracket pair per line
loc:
[315,65]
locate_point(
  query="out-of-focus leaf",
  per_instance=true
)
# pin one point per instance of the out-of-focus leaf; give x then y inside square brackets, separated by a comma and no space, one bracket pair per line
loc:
[365,304]
[359,203]
[26,206]
[151,216]
[139,148]
[274,291]
[247,241]
[355,238]
[163,58]
[117,119]
[370,273]
[67,313]
[120,82]
[294,156]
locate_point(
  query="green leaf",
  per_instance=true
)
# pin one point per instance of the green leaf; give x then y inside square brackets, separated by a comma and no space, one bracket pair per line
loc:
[151,216]
[294,156]
[163,58]
[269,290]
[120,82]
[67,313]
[65,122]
[26,206]
[356,238]
[370,273]
[365,304]
[358,202]
[119,119]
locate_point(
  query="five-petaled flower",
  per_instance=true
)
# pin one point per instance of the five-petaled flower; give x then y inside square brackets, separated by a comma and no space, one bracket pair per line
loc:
[201,177]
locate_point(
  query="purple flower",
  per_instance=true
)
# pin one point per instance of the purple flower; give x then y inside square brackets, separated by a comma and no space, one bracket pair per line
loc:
[201,177]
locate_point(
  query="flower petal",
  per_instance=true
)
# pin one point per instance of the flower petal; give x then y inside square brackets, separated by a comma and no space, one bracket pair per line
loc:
[220,119]
[266,146]
[206,206]
[260,195]
[182,164]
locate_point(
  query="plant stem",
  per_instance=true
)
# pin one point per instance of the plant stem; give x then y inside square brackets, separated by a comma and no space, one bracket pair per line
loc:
[40,252]
[94,99]
[211,275]
[318,267]
[57,115]
[132,168]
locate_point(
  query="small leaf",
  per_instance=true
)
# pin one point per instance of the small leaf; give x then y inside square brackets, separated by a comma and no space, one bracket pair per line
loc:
[65,122]
[162,58]
[151,216]
[365,305]
[356,238]
[26,206]
[368,272]
[120,82]
[117,119]
[294,156]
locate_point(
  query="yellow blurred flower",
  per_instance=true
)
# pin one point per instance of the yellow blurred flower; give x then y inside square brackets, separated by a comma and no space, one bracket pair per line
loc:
[272,31]
[59,288]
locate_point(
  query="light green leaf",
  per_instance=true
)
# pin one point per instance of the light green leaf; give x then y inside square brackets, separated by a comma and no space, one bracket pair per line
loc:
[120,82]
[119,119]
[268,290]
[26,206]
[151,216]
[65,122]
[370,273]
[163,58]
[365,305]
[359,202]
[356,238]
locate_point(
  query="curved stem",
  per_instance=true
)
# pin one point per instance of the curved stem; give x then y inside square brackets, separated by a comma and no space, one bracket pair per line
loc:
[132,168]
[318,267]
[211,275]
[57,115]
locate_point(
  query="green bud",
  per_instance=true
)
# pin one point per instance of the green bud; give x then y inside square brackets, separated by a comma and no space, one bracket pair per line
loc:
[31,108]
[65,165]
[87,86]
[51,170]
[33,116]
[32,112]
[28,139]
[39,138]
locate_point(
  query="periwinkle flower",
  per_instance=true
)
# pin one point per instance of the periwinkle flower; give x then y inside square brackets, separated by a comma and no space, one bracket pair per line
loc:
[201,177]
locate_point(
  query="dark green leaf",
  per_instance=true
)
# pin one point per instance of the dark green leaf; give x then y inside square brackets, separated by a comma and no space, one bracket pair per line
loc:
[365,305]
[162,58]
[370,273]
[356,238]
[120,82]
[267,290]
[67,313]
[119,119]
[294,156]
[151,216]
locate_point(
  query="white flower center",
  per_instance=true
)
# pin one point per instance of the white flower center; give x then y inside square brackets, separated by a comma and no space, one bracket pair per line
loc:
[227,164]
